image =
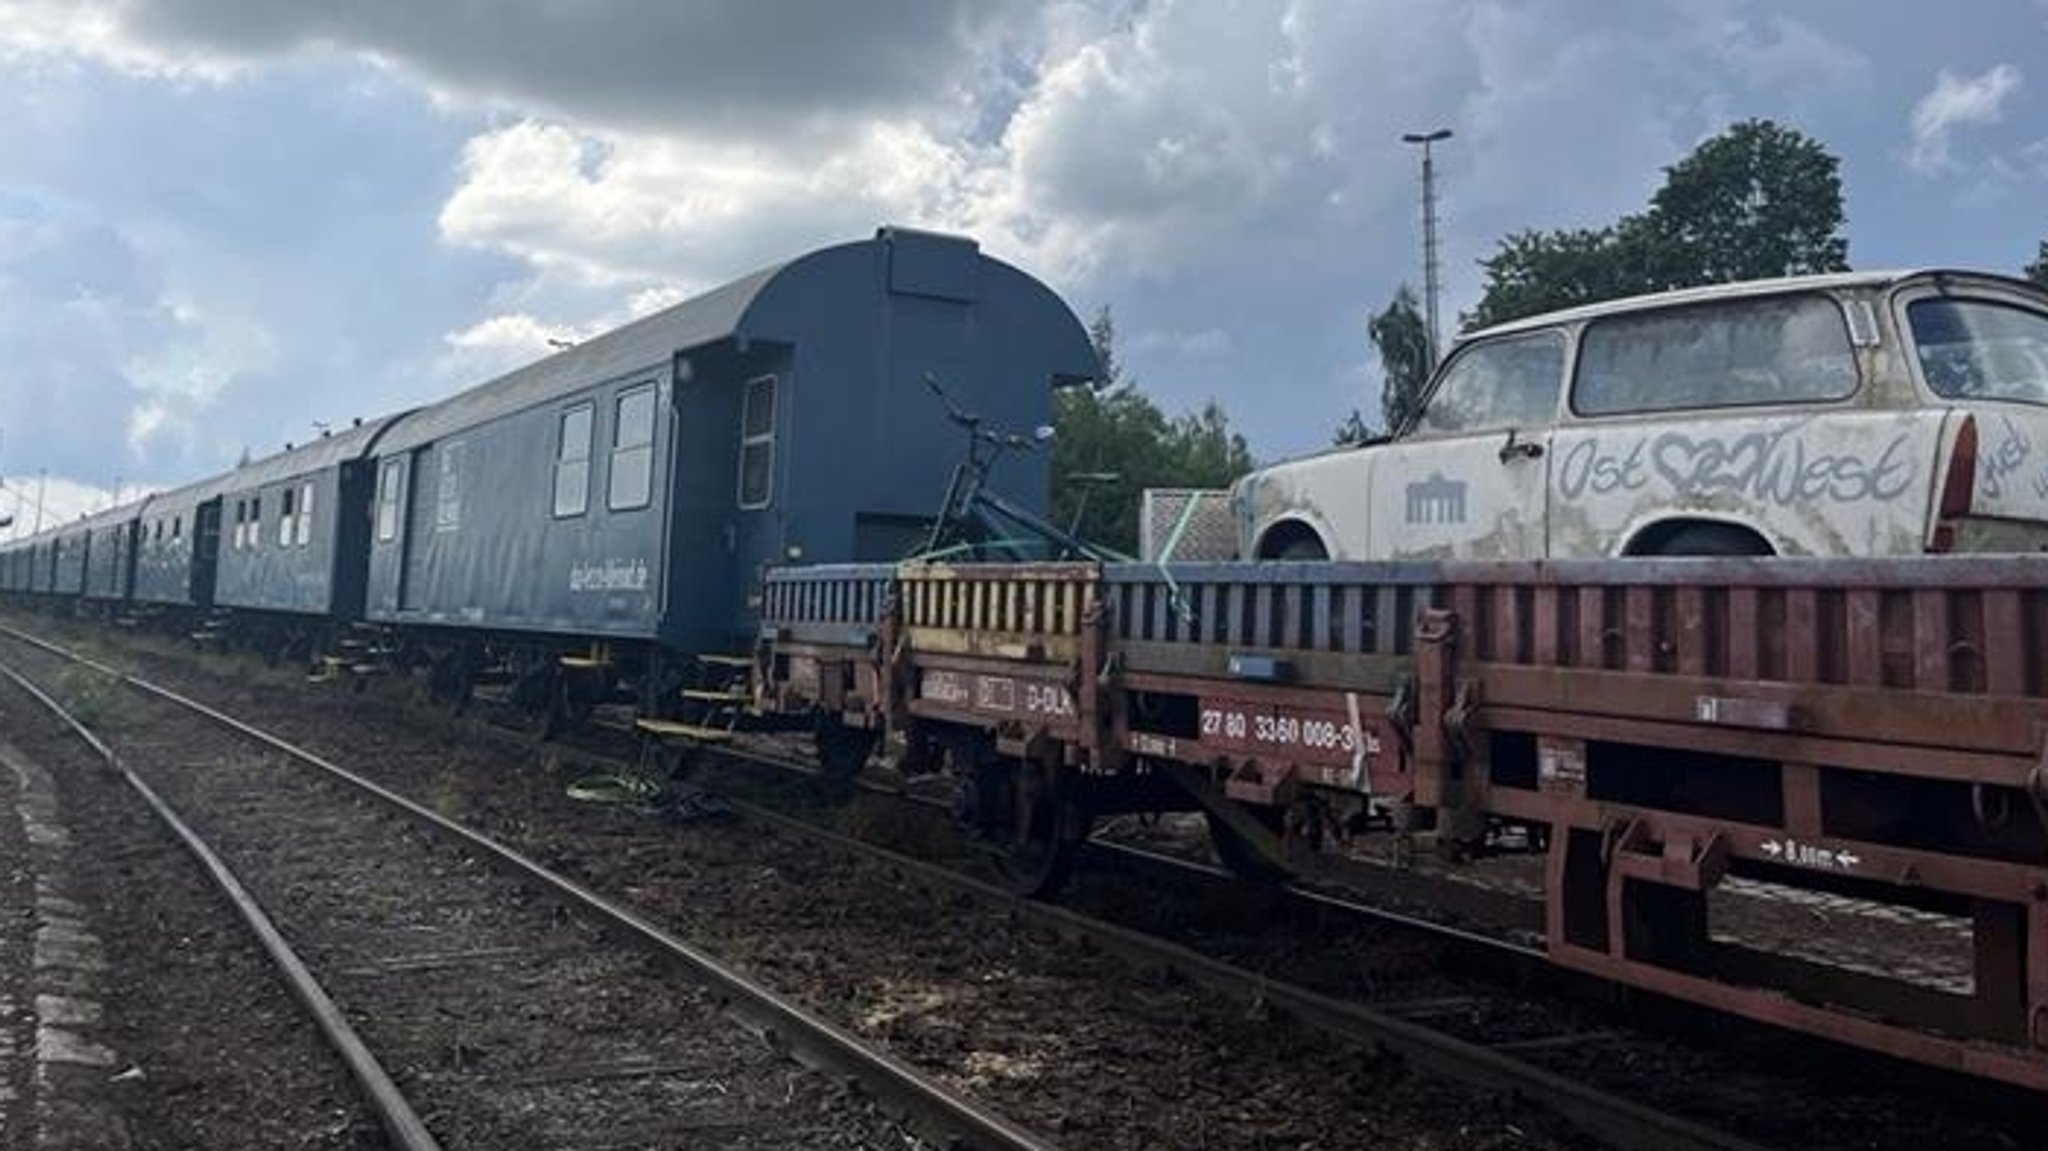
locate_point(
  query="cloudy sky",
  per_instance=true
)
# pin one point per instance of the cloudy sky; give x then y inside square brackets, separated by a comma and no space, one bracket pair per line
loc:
[225,222]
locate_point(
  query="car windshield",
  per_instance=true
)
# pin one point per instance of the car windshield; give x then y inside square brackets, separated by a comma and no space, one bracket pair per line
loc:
[1981,349]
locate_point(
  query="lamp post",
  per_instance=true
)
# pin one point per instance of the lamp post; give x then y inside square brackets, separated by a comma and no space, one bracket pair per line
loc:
[1429,260]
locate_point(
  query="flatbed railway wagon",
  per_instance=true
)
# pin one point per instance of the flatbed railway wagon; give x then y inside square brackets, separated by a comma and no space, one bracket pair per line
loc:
[1658,729]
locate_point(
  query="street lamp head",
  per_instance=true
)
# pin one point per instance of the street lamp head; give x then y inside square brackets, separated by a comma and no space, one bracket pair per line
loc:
[1425,137]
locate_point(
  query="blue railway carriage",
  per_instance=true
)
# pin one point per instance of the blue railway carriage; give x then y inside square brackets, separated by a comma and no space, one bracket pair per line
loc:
[41,563]
[14,566]
[292,535]
[630,488]
[177,546]
[69,547]
[110,554]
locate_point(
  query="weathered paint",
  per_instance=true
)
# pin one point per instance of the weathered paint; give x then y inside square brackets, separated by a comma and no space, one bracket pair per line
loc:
[178,547]
[1860,473]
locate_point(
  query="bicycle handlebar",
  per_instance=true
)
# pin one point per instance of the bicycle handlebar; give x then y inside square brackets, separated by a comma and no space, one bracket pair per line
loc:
[1011,440]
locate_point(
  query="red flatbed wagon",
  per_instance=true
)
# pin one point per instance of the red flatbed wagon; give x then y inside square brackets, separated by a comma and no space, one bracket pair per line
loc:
[1870,729]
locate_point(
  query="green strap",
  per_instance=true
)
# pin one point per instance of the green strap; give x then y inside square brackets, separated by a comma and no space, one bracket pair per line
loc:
[1180,526]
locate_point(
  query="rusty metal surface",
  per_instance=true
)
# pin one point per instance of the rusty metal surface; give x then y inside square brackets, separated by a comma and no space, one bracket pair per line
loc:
[1874,727]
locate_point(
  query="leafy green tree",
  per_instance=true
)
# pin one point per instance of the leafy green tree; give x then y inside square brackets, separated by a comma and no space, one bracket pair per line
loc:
[1402,338]
[1354,430]
[1756,201]
[2038,270]
[1536,272]
[1111,442]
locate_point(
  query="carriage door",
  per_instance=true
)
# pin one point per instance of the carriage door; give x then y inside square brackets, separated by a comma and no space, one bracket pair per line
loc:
[205,552]
[419,525]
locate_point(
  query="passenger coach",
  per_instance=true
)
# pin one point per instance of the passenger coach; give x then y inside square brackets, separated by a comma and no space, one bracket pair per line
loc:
[597,515]
[629,489]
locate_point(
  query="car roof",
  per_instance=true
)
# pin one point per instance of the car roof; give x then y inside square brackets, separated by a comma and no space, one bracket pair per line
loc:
[1824,282]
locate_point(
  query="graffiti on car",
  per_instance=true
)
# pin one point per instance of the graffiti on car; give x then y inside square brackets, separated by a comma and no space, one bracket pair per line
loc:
[1778,466]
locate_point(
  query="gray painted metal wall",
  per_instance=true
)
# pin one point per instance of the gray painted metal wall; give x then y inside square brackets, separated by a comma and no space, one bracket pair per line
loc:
[68,569]
[110,557]
[168,546]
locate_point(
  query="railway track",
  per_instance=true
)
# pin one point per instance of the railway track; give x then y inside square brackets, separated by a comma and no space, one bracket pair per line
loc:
[1542,1033]
[480,998]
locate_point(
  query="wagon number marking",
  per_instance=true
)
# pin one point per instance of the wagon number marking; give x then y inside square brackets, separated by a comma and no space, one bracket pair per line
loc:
[1283,730]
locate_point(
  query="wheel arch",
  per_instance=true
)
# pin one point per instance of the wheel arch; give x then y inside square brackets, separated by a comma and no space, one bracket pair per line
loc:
[1281,535]
[1699,535]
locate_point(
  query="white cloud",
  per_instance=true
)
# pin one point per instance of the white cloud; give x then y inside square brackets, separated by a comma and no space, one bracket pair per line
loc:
[500,343]
[1228,175]
[623,208]
[1956,101]
[60,499]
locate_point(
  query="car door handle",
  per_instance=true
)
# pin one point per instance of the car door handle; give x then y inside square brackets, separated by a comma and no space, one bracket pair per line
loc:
[1520,449]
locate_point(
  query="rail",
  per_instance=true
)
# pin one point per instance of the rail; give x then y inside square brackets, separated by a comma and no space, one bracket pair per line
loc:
[809,1037]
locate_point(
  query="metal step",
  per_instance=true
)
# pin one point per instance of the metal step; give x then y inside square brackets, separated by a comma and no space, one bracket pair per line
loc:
[709,695]
[673,729]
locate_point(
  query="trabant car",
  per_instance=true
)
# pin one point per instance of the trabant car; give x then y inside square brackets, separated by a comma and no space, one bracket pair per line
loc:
[1859,414]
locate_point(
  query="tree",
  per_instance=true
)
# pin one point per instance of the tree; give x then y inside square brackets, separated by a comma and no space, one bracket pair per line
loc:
[1544,271]
[1111,442]
[1756,201]
[1402,338]
[2038,270]
[1354,430]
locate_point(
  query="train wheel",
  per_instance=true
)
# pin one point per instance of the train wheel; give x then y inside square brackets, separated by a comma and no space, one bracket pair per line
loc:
[541,696]
[451,680]
[1049,824]
[842,752]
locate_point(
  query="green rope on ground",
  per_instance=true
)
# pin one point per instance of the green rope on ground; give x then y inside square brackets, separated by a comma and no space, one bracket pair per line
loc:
[614,787]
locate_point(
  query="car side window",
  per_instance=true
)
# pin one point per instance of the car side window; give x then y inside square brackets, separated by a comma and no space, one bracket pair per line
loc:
[1501,384]
[1774,350]
[1981,349]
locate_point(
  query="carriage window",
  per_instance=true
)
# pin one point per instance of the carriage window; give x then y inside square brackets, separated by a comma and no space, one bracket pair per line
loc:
[177,523]
[448,497]
[1782,350]
[757,443]
[632,475]
[305,515]
[256,522]
[387,501]
[287,522]
[572,462]
[241,519]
